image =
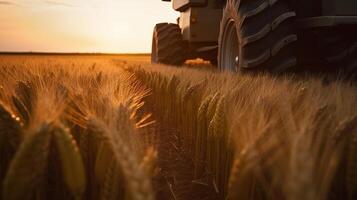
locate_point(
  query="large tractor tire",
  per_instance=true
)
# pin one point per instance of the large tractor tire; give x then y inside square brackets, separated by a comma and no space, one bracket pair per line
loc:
[338,51]
[168,47]
[257,35]
[332,49]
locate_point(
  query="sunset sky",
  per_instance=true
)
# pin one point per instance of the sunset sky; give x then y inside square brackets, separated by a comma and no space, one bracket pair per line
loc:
[111,26]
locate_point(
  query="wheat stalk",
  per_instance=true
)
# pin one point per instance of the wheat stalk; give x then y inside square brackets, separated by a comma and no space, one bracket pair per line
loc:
[113,186]
[10,137]
[26,170]
[352,168]
[71,162]
[139,185]
[210,132]
[201,139]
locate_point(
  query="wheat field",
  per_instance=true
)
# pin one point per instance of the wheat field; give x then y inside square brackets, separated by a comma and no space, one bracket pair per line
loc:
[117,127]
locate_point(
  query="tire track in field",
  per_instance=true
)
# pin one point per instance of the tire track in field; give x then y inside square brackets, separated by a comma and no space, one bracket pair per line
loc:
[175,178]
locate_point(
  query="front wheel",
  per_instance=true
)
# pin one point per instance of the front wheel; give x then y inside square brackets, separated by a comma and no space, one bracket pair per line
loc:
[257,35]
[168,47]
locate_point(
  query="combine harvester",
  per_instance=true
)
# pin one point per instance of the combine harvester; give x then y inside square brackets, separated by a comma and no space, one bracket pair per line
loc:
[269,35]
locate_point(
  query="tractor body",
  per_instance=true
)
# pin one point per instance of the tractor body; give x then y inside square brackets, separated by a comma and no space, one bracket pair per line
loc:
[201,21]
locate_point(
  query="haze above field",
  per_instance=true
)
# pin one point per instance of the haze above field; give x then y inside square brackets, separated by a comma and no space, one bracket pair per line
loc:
[108,26]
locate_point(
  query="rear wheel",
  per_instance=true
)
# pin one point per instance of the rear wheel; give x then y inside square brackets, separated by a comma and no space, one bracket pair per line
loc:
[330,49]
[338,50]
[257,35]
[168,46]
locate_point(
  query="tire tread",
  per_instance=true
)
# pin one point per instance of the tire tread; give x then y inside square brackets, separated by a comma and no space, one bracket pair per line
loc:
[170,47]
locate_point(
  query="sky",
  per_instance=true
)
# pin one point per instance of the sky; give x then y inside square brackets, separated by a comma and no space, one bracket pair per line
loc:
[107,26]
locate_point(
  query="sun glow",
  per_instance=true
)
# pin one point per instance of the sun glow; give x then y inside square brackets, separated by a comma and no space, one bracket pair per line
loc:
[81,26]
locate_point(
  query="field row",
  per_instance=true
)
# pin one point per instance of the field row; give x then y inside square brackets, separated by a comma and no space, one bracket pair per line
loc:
[71,132]
[91,129]
[260,137]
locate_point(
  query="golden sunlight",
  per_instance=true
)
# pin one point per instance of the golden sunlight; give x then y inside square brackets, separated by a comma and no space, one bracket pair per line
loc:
[111,26]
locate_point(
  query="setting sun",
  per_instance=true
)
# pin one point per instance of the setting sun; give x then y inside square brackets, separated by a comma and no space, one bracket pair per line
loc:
[110,26]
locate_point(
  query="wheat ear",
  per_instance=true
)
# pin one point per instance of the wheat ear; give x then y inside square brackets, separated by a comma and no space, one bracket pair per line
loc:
[71,162]
[10,136]
[201,138]
[26,170]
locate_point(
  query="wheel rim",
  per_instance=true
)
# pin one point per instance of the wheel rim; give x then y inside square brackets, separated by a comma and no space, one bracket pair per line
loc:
[229,54]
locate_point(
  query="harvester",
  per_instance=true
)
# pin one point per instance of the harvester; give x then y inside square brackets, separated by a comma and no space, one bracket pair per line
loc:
[270,35]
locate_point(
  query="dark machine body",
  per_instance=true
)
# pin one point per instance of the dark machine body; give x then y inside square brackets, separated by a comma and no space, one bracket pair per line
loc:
[205,26]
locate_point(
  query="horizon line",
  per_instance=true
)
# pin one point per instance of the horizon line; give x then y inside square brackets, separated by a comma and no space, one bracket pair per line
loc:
[67,53]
